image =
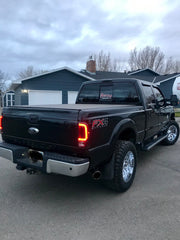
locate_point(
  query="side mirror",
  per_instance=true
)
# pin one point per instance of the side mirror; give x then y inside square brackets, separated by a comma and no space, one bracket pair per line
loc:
[174,100]
[160,103]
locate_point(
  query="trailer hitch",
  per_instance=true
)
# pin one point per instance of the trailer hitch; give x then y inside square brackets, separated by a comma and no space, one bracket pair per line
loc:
[31,171]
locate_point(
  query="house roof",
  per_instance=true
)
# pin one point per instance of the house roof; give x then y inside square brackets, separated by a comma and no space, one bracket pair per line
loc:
[112,75]
[164,78]
[18,82]
[156,78]
[104,74]
[14,85]
[100,75]
[143,70]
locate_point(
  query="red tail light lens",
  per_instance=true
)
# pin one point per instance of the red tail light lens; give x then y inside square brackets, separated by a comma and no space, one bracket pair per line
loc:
[1,122]
[83,132]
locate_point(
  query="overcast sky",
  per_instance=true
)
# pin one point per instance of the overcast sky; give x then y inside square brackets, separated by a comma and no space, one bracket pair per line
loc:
[51,34]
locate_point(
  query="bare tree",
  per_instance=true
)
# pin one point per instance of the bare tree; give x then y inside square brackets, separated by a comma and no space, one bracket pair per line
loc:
[29,72]
[3,86]
[148,57]
[3,78]
[118,66]
[177,66]
[104,62]
[171,66]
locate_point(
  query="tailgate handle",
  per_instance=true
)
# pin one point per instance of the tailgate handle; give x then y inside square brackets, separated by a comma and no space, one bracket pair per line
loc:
[33,130]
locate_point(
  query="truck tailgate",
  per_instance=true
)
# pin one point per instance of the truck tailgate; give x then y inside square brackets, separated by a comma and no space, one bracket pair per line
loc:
[55,126]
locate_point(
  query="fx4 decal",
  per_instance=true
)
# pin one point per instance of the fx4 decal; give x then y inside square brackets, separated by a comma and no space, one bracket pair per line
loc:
[98,123]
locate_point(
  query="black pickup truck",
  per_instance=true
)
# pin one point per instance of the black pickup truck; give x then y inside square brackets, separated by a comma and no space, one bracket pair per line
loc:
[99,134]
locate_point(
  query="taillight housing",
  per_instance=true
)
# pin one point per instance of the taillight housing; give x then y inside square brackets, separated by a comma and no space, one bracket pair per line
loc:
[82,134]
[1,117]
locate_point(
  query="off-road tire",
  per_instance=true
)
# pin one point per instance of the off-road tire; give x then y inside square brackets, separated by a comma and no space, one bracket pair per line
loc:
[122,150]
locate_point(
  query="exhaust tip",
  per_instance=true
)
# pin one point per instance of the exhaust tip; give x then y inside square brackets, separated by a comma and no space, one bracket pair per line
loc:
[96,175]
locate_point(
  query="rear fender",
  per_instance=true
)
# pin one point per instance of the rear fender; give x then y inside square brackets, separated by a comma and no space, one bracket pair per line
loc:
[121,127]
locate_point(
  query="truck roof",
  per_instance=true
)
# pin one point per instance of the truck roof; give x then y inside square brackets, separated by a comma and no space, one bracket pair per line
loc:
[119,80]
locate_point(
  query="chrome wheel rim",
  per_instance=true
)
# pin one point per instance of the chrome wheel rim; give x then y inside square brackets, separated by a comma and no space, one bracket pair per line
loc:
[128,166]
[172,133]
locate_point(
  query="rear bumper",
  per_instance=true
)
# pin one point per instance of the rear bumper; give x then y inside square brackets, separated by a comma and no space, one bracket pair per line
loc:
[51,163]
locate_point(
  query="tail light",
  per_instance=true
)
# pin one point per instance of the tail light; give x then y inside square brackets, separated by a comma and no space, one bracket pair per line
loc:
[83,134]
[1,122]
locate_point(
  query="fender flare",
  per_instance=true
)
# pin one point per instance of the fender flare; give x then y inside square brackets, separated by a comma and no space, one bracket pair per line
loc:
[120,127]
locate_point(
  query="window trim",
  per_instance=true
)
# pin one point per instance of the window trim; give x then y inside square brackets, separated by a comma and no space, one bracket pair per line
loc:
[158,90]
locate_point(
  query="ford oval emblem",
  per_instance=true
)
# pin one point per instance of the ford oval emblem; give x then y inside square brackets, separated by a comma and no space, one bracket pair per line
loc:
[33,130]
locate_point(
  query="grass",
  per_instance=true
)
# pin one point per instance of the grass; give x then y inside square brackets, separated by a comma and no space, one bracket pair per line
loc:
[177,114]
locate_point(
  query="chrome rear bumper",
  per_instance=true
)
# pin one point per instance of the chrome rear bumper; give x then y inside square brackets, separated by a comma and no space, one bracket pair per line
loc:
[52,162]
[6,153]
[68,169]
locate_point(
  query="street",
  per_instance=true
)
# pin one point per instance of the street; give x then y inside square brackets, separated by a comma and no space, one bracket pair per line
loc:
[58,207]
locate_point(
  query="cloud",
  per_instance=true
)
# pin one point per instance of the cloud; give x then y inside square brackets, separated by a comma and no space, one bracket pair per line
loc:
[169,33]
[55,33]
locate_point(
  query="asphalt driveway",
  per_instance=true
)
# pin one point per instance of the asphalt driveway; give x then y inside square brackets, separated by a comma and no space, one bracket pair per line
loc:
[57,207]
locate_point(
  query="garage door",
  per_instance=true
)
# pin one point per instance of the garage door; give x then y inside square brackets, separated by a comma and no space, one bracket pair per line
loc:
[38,97]
[72,97]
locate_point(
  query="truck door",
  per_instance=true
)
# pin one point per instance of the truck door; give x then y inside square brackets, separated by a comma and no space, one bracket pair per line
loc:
[162,109]
[152,113]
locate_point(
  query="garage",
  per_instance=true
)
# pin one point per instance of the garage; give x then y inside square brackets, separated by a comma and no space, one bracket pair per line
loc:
[42,97]
[72,97]
[58,86]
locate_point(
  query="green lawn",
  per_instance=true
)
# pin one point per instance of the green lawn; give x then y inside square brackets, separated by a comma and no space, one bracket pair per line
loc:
[177,114]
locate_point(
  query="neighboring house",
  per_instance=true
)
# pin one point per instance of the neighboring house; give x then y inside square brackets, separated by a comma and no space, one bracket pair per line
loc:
[62,85]
[55,87]
[169,84]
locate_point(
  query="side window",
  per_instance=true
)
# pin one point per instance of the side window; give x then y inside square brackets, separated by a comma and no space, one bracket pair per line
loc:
[125,92]
[149,96]
[158,95]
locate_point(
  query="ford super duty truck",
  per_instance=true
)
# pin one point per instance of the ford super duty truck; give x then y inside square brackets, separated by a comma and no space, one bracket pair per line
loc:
[99,134]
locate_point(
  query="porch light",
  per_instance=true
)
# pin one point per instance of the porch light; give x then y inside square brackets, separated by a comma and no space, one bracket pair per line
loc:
[24,91]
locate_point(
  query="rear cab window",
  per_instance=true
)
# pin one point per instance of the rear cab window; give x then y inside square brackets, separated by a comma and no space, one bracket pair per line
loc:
[112,92]
[89,93]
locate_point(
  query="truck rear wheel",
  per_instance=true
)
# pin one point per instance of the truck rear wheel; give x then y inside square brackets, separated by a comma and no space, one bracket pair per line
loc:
[172,133]
[124,159]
